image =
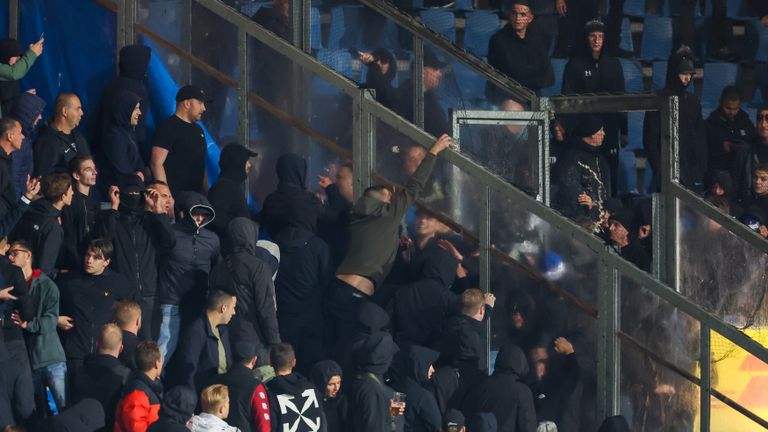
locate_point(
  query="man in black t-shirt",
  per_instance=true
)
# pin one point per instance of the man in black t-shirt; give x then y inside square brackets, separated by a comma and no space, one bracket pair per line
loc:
[179,148]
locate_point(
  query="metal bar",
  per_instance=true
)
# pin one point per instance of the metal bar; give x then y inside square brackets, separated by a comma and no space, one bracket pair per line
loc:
[363,144]
[242,88]
[705,391]
[130,22]
[669,174]
[544,161]
[300,24]
[659,228]
[417,28]
[607,345]
[473,115]
[417,82]
[604,103]
[484,225]
[13,19]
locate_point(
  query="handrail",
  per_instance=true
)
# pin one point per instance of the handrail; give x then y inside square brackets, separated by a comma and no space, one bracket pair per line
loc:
[417,28]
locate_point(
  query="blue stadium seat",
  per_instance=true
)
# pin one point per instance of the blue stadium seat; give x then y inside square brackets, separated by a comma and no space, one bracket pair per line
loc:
[478,31]
[627,43]
[627,174]
[672,8]
[759,35]
[339,60]
[635,130]
[440,21]
[633,75]
[761,85]
[463,6]
[657,38]
[471,83]
[315,40]
[559,67]
[717,76]
[634,8]
[340,16]
[250,9]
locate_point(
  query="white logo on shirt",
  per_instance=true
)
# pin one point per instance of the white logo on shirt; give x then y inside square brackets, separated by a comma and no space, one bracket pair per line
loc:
[310,400]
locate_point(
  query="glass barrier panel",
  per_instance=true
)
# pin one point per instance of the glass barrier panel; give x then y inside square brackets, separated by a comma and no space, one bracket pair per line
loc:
[720,271]
[509,149]
[739,376]
[214,40]
[169,19]
[654,397]
[725,418]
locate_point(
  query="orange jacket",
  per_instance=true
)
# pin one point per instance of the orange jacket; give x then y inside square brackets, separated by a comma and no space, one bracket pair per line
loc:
[140,404]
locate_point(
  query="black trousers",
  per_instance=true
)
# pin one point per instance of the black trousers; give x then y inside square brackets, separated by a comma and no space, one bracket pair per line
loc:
[343,304]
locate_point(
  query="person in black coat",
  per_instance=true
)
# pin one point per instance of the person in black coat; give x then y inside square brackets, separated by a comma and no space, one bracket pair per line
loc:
[204,349]
[79,218]
[327,377]
[382,69]
[692,150]
[140,232]
[119,156]
[59,139]
[102,375]
[623,236]
[412,371]
[748,158]
[504,393]
[519,53]
[28,110]
[294,402]
[435,119]
[249,278]
[291,205]
[249,405]
[583,176]
[729,131]
[183,277]
[84,416]
[177,408]
[592,71]
[370,398]
[227,195]
[88,296]
[554,382]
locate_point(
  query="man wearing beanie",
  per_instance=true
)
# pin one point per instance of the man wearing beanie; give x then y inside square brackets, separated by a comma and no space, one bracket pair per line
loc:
[582,175]
[622,231]
[591,70]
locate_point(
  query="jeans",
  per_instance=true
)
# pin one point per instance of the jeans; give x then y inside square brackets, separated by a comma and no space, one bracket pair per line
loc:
[53,376]
[170,326]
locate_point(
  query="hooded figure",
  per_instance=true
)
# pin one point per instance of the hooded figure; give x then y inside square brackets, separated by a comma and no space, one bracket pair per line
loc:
[177,408]
[413,371]
[291,205]
[183,276]
[84,416]
[28,110]
[693,133]
[336,408]
[370,396]
[483,422]
[371,318]
[41,228]
[614,424]
[119,147]
[101,377]
[293,390]
[247,277]
[422,308]
[10,75]
[133,63]
[227,195]
[504,394]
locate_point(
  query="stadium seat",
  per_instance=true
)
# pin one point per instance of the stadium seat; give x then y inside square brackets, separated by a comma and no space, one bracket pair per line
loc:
[627,175]
[339,60]
[635,130]
[559,67]
[340,16]
[440,21]
[717,76]
[470,83]
[757,34]
[478,31]
[463,5]
[657,38]
[634,8]
[627,43]
[633,75]
[659,78]
[315,39]
[760,96]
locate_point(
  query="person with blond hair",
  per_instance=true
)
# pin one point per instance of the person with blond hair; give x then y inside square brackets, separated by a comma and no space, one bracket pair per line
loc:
[214,400]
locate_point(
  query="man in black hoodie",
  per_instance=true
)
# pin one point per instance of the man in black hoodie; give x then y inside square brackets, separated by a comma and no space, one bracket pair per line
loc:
[293,401]
[327,377]
[183,278]
[504,394]
[227,195]
[623,237]
[102,376]
[553,383]
[59,140]
[291,205]
[249,278]
[139,230]
[28,110]
[88,296]
[120,154]
[370,399]
[729,131]
[374,240]
[693,134]
[413,370]
[40,224]
[249,405]
[177,408]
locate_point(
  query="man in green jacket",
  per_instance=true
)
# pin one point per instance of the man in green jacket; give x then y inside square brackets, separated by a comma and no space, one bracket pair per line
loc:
[374,237]
[49,366]
[14,65]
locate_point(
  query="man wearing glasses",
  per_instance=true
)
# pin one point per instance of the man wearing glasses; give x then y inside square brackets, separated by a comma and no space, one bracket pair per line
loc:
[519,53]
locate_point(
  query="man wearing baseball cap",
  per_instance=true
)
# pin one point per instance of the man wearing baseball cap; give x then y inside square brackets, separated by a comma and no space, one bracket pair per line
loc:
[178,148]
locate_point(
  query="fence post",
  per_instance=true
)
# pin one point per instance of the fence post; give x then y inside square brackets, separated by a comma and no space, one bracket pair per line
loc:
[363,143]
[609,286]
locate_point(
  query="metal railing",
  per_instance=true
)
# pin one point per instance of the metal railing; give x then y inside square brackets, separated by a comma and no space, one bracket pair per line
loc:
[368,113]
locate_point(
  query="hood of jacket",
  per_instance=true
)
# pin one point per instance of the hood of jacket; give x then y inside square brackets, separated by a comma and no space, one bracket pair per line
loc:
[291,171]
[120,112]
[322,372]
[371,318]
[483,422]
[205,422]
[440,266]
[134,61]
[414,362]
[673,83]
[290,384]
[188,201]
[10,48]
[376,353]
[614,424]
[232,162]
[243,233]
[40,211]
[26,109]
[178,404]
[84,416]
[511,360]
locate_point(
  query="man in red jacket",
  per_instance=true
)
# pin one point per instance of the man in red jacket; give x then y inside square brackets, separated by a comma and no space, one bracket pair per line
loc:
[140,404]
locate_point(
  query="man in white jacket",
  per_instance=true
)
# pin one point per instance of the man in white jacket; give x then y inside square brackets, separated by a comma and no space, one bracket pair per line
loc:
[214,400]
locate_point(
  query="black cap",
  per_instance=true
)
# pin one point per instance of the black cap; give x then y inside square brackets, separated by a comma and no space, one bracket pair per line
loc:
[244,351]
[432,60]
[191,92]
[131,183]
[453,418]
[595,25]
[626,217]
[588,126]
[613,205]
[686,66]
